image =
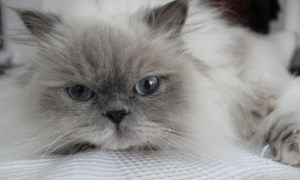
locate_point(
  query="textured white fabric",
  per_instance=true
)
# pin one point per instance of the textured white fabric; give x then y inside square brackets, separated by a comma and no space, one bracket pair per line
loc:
[148,165]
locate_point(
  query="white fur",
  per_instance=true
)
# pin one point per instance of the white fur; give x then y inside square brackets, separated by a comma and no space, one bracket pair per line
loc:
[245,70]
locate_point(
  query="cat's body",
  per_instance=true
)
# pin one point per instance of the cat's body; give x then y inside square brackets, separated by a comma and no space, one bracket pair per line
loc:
[218,84]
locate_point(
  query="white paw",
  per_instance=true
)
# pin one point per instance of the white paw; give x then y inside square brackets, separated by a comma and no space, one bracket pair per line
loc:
[287,148]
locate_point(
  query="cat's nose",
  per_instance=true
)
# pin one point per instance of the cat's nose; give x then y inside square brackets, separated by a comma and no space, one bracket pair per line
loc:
[116,116]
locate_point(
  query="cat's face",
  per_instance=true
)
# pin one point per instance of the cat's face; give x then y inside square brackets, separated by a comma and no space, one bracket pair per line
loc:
[111,86]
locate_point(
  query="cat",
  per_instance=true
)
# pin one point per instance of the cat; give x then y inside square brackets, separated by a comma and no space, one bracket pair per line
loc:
[140,75]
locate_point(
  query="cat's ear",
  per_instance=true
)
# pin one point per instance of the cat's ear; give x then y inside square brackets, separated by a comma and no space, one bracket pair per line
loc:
[39,24]
[170,17]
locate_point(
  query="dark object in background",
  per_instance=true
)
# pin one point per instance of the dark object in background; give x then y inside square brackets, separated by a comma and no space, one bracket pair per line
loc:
[295,71]
[262,12]
[255,14]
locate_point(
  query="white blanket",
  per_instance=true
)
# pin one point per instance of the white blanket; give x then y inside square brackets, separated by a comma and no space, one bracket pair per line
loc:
[148,165]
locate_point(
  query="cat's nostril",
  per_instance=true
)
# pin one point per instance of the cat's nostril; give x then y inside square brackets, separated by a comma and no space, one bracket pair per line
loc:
[116,116]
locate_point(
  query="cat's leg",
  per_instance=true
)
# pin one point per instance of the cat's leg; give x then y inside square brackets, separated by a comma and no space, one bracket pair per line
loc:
[281,129]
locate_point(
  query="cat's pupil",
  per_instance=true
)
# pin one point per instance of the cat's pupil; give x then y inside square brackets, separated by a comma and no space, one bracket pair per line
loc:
[148,84]
[80,93]
[78,90]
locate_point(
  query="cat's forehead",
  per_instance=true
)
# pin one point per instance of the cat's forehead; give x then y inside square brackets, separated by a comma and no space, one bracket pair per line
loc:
[102,52]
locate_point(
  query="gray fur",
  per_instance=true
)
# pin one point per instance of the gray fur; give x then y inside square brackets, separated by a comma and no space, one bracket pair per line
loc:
[39,24]
[171,16]
[110,62]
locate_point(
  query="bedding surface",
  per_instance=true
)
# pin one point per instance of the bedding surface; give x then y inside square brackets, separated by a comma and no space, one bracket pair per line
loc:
[148,165]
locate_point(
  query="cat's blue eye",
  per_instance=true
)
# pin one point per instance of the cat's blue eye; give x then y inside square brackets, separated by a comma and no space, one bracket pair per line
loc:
[147,86]
[80,93]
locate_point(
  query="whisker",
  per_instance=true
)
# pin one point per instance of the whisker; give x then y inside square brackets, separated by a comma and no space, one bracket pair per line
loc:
[87,146]
[177,144]
[70,147]
[187,141]
[55,141]
[75,150]
[60,146]
[46,146]
[178,132]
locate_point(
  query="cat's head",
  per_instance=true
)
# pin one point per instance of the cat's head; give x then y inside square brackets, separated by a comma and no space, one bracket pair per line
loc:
[114,84]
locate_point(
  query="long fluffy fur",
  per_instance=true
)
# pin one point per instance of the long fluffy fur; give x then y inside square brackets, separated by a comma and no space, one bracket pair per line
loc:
[240,82]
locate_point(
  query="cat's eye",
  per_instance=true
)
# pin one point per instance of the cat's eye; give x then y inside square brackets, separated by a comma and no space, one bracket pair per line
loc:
[147,86]
[80,93]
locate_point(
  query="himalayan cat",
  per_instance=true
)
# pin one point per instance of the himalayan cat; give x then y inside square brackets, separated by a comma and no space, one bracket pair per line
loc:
[140,75]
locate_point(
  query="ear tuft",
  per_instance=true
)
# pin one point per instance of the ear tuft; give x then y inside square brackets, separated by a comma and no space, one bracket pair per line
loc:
[39,24]
[170,17]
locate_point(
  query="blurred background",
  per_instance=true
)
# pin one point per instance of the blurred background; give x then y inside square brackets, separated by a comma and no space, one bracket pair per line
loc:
[262,16]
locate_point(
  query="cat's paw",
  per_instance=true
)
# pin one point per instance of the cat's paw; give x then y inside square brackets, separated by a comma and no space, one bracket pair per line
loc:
[286,147]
